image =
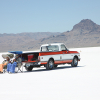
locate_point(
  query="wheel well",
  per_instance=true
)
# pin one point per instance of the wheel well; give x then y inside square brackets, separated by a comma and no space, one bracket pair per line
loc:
[76,56]
[51,59]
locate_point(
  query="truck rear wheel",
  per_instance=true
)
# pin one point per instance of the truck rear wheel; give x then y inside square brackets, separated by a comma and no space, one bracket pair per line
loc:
[74,62]
[28,68]
[50,64]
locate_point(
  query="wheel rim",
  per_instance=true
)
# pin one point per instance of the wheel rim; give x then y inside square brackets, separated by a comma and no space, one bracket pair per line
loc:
[50,64]
[75,61]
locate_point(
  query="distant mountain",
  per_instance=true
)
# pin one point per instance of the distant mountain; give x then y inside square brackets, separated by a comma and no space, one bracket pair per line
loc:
[86,25]
[9,42]
[84,34]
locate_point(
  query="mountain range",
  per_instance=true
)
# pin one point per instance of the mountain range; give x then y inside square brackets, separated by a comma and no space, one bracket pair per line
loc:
[84,34]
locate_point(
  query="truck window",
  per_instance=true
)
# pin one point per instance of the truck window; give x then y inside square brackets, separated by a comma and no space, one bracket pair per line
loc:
[63,47]
[44,48]
[50,48]
[53,48]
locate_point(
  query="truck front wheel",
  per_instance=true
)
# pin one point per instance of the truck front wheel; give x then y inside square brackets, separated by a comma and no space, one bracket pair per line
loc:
[50,64]
[74,62]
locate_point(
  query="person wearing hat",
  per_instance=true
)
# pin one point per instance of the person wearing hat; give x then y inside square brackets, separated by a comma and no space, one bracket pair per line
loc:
[4,63]
[19,61]
[11,66]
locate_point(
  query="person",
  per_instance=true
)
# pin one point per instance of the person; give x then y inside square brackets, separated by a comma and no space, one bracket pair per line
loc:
[4,64]
[19,61]
[9,65]
[12,66]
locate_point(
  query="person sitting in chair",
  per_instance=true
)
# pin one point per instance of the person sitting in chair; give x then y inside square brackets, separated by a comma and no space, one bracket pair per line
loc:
[12,66]
[4,64]
[9,67]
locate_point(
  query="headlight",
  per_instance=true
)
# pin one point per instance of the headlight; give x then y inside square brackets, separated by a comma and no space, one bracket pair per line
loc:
[79,55]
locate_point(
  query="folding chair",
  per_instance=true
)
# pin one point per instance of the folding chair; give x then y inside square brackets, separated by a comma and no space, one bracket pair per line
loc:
[19,53]
[5,69]
[12,69]
[19,70]
[19,66]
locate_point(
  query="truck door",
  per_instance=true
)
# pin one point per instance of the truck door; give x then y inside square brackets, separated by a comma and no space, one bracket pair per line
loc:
[66,57]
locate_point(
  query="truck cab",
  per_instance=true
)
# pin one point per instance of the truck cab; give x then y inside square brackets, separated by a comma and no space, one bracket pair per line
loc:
[53,47]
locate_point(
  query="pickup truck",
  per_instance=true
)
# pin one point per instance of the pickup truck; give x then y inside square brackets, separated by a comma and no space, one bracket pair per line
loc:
[50,56]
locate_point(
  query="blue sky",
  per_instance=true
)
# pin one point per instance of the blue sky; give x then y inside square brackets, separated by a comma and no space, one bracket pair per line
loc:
[17,16]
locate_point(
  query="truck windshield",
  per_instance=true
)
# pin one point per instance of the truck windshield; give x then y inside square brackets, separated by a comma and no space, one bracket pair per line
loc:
[50,48]
[63,47]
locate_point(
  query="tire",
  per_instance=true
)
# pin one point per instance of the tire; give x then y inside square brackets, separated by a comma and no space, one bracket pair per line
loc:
[50,64]
[74,62]
[29,68]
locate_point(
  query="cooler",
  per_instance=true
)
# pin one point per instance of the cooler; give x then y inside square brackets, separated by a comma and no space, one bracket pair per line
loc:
[30,57]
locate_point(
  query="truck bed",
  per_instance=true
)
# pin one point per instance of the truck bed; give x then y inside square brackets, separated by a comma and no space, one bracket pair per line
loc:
[30,57]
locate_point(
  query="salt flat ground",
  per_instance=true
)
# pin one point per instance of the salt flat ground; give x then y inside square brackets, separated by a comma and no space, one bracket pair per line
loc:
[62,83]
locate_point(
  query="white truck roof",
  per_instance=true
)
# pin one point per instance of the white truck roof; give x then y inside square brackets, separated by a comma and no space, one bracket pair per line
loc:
[52,44]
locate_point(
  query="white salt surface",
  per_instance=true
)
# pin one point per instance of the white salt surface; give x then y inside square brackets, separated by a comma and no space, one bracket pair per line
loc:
[62,83]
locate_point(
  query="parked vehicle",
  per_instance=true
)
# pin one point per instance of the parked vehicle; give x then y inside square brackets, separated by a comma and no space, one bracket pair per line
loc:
[50,56]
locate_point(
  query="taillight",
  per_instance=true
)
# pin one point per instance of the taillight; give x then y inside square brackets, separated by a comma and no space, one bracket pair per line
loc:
[38,58]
